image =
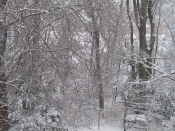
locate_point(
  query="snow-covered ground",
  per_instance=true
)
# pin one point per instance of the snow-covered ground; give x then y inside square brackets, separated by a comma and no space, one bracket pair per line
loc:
[102,128]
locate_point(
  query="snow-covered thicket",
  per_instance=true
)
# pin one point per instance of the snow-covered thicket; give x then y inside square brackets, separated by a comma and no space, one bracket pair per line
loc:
[87,65]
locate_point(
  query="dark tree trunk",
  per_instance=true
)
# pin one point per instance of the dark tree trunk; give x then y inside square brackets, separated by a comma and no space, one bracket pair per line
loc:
[35,84]
[3,91]
[98,70]
[36,53]
[141,10]
[132,62]
[142,38]
[152,37]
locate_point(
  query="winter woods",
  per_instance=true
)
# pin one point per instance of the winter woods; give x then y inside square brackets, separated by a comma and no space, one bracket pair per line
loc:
[68,64]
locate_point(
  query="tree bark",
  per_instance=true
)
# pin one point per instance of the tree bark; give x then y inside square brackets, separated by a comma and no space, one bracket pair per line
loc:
[152,37]
[98,70]
[3,90]
[98,73]
[132,62]
[36,80]
[35,84]
[142,38]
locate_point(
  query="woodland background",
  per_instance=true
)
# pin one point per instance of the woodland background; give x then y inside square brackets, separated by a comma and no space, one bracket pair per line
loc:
[71,64]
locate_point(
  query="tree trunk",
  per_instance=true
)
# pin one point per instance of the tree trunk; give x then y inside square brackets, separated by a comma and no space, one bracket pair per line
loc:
[4,126]
[35,53]
[98,73]
[152,37]
[35,80]
[98,70]
[132,62]
[142,38]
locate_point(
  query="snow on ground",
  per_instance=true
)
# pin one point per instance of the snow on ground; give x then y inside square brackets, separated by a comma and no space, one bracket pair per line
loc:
[102,128]
[135,117]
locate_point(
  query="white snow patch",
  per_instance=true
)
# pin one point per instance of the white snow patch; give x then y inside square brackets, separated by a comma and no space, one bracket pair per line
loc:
[135,117]
[102,128]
